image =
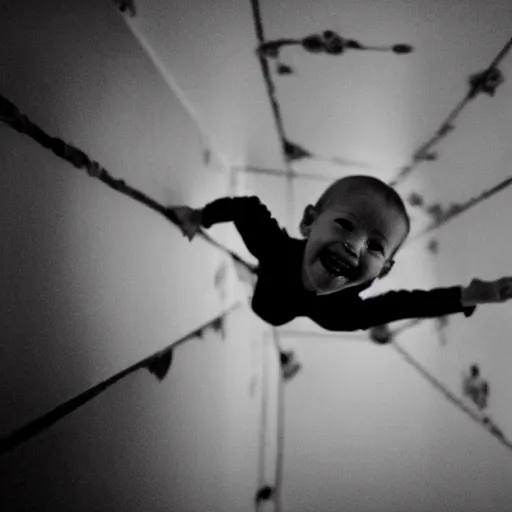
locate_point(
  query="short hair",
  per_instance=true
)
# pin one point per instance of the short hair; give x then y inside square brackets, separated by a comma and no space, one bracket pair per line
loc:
[365,182]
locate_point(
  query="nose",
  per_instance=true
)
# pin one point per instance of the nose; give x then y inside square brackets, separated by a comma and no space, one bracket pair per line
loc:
[354,249]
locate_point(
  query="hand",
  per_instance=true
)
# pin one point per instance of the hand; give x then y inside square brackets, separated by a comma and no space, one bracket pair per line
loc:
[485,292]
[188,219]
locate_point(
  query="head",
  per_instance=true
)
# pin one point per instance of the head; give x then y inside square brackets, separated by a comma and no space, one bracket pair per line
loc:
[353,233]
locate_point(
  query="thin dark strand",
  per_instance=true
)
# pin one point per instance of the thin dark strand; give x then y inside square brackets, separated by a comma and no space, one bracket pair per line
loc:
[45,421]
[35,427]
[271,89]
[406,170]
[408,358]
[276,110]
[464,207]
[280,430]
[282,174]
[263,421]
[11,115]
[449,395]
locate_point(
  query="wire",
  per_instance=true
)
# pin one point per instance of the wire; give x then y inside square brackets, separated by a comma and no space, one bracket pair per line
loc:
[328,42]
[280,430]
[460,208]
[319,334]
[274,103]
[482,421]
[35,427]
[11,115]
[278,172]
[421,154]
[206,137]
[263,422]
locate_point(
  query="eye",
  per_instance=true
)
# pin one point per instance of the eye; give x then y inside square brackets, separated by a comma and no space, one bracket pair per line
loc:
[376,247]
[345,224]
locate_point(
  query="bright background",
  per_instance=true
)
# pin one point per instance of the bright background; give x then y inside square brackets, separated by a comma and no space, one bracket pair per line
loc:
[91,281]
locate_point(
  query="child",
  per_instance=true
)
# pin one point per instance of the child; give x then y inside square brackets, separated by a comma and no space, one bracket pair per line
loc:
[350,239]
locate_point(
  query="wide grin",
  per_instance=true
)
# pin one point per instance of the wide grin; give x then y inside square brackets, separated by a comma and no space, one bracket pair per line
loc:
[335,265]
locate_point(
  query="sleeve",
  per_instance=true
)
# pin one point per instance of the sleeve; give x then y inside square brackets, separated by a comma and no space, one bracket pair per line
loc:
[260,232]
[361,314]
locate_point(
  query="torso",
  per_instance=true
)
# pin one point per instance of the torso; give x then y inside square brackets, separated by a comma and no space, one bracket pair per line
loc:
[279,295]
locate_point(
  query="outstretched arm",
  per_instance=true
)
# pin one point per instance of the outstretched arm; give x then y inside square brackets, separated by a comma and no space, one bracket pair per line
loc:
[356,313]
[259,230]
[361,314]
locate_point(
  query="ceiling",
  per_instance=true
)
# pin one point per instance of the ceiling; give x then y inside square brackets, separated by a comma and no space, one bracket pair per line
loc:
[369,110]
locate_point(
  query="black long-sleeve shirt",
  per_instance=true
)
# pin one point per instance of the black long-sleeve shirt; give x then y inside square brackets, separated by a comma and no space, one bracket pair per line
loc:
[279,296]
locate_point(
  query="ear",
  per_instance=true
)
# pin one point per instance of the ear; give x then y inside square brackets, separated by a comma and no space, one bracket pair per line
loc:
[387,268]
[308,217]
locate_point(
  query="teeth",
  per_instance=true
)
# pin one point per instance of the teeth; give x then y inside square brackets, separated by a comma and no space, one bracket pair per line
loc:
[334,263]
[338,261]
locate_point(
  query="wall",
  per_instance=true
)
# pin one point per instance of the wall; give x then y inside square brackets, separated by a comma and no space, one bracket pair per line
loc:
[364,431]
[93,281]
[190,442]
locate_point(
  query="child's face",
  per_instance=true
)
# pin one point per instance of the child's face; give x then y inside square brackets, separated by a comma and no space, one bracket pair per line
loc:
[351,241]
